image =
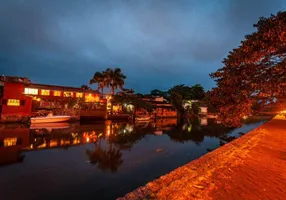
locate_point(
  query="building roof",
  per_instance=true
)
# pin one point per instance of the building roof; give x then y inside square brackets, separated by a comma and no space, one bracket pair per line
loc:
[14,79]
[28,83]
[57,87]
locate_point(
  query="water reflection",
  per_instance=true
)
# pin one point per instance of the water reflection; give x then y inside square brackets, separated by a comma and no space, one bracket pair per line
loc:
[17,139]
[110,159]
[196,132]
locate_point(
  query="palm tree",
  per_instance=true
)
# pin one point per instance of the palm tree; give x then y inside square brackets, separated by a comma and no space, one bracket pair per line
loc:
[99,78]
[110,159]
[114,78]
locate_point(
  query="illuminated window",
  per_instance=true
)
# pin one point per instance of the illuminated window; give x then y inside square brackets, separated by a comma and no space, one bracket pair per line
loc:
[79,95]
[13,102]
[31,91]
[57,93]
[10,142]
[45,92]
[91,98]
[68,94]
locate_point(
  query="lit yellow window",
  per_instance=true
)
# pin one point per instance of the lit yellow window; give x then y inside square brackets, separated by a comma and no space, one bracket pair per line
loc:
[31,91]
[79,95]
[45,92]
[13,102]
[91,98]
[57,93]
[10,142]
[68,94]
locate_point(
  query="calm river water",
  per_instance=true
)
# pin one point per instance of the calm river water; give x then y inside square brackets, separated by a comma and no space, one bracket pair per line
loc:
[101,161]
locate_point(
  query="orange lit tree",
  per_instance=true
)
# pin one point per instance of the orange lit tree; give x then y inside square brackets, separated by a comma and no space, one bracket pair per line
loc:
[255,72]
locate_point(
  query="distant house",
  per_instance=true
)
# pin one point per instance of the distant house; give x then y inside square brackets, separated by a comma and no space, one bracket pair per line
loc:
[163,109]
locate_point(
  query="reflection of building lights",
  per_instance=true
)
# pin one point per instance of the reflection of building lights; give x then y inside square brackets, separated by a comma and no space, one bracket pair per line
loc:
[87,139]
[108,130]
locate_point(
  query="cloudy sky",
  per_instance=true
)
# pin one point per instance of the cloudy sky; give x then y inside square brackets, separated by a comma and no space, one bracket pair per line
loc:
[157,43]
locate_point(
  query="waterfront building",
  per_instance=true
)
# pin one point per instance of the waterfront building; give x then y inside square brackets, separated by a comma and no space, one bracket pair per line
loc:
[20,97]
[163,109]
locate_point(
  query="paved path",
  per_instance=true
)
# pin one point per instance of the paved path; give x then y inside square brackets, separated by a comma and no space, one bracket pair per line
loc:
[250,167]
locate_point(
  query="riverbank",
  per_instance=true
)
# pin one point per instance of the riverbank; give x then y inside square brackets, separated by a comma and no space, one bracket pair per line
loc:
[250,167]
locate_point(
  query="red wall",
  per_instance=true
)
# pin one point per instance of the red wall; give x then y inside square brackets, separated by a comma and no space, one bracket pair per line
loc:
[15,91]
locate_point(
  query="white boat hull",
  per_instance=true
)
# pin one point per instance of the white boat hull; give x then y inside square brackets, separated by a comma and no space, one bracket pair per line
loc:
[59,125]
[143,118]
[51,119]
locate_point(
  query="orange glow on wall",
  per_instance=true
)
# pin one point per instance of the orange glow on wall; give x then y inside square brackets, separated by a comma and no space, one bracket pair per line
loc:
[13,102]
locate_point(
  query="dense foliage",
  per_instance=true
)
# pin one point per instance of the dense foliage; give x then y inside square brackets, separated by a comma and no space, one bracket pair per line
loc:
[110,78]
[253,73]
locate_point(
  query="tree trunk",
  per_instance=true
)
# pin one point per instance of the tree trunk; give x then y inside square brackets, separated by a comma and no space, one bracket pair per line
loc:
[134,115]
[112,90]
[180,117]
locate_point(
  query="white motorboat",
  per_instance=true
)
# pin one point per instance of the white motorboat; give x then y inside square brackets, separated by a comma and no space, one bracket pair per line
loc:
[63,125]
[50,119]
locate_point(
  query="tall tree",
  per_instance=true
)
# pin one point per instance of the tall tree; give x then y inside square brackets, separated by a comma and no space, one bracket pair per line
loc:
[253,72]
[115,79]
[178,94]
[99,78]
[198,92]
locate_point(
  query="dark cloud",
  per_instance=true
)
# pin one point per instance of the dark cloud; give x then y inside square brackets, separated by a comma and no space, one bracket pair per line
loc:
[156,43]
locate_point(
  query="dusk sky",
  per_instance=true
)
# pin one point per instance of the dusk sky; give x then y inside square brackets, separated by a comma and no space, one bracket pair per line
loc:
[157,43]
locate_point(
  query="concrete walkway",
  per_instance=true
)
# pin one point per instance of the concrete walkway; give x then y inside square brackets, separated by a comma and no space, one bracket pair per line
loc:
[250,167]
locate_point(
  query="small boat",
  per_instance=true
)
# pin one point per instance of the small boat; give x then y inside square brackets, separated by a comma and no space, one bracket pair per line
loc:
[143,118]
[50,119]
